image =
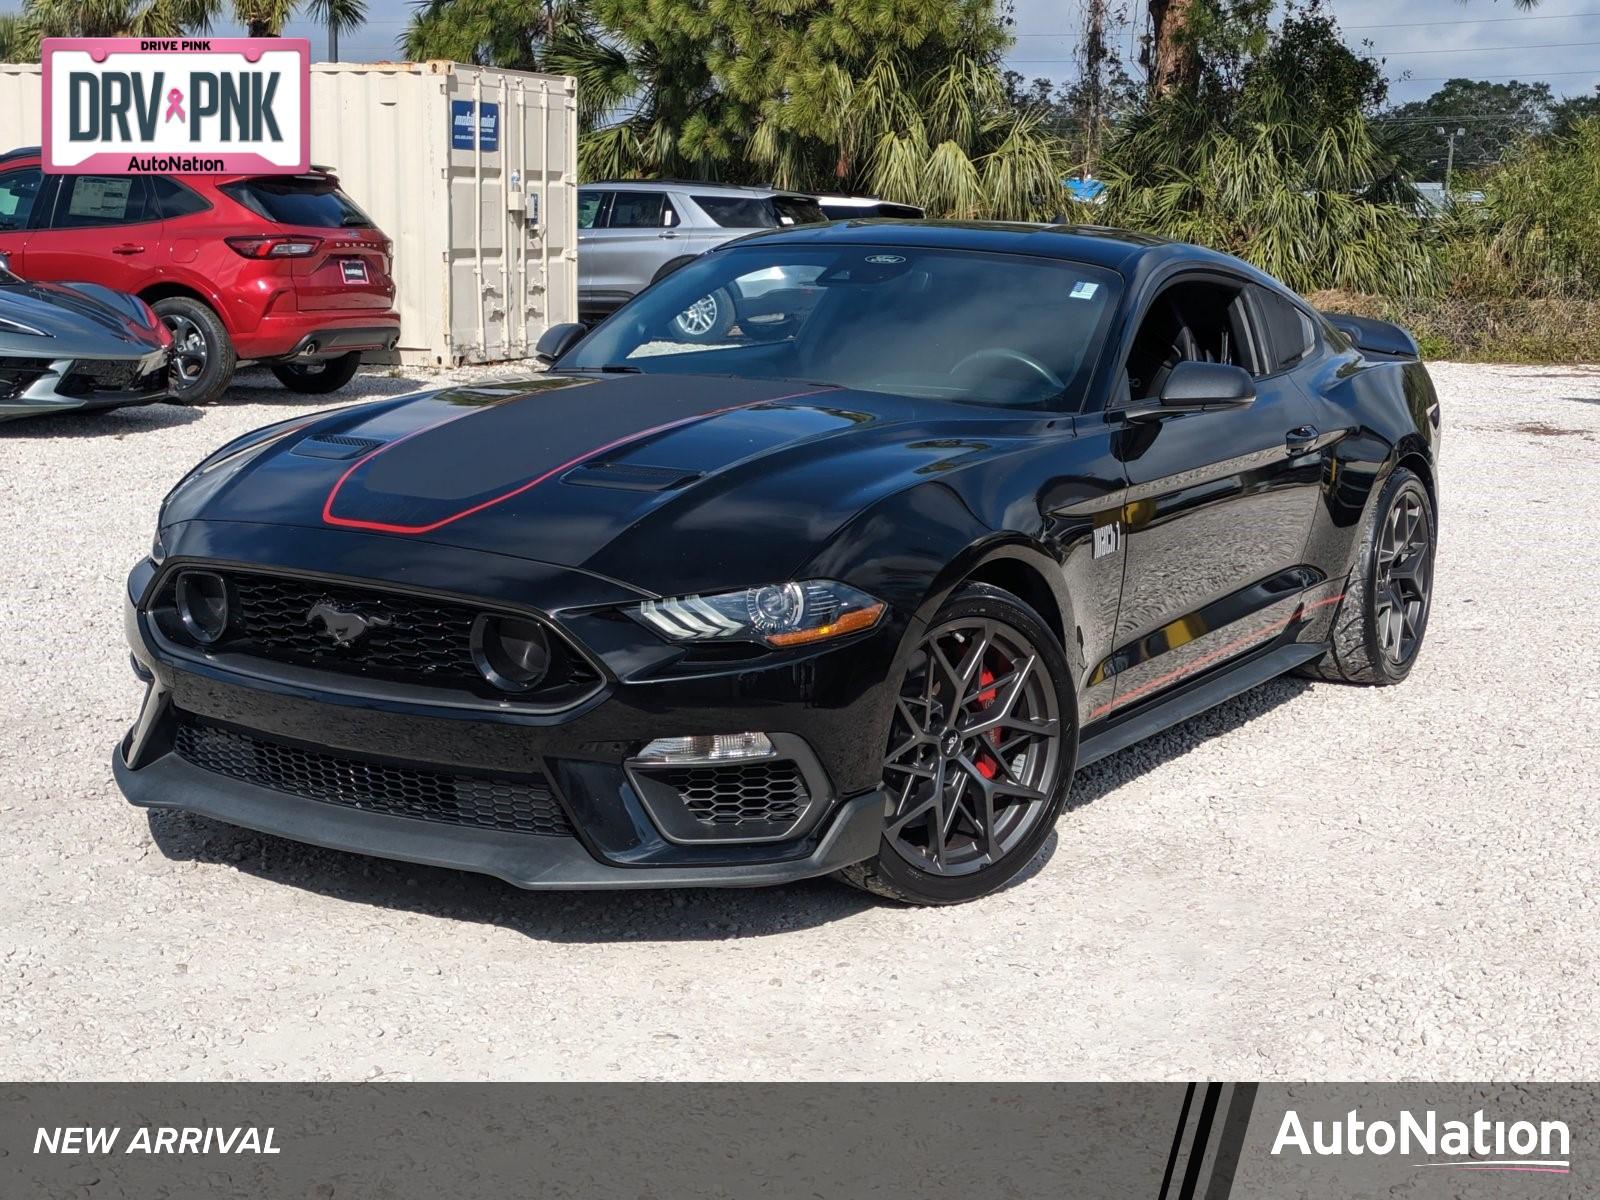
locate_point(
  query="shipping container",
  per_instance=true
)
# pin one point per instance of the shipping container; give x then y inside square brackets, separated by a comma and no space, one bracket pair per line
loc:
[471,170]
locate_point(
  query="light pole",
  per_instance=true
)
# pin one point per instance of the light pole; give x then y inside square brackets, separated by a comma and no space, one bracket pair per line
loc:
[1449,156]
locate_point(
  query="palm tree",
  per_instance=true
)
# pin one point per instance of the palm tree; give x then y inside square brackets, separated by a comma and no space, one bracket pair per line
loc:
[19,41]
[167,18]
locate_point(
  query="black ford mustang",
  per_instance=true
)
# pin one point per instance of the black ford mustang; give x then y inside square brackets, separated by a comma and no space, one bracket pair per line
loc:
[949,511]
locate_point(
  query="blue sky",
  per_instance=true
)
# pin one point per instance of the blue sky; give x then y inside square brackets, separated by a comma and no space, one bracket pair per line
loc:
[1427,40]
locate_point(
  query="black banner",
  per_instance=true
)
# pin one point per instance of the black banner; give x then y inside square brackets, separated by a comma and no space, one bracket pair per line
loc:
[800,1141]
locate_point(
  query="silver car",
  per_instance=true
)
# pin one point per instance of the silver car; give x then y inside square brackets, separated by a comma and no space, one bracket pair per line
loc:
[632,233]
[76,346]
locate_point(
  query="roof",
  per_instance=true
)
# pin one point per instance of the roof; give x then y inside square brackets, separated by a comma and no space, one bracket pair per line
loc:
[707,186]
[1079,243]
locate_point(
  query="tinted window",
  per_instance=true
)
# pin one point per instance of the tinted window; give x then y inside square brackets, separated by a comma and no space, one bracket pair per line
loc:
[18,191]
[591,207]
[992,329]
[637,210]
[1290,334]
[86,201]
[760,212]
[880,208]
[175,200]
[293,200]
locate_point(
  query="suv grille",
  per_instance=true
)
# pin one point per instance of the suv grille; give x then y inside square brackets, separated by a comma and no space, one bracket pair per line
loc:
[408,639]
[737,794]
[518,806]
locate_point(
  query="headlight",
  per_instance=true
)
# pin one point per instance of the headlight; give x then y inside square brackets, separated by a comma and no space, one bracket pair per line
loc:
[158,549]
[780,614]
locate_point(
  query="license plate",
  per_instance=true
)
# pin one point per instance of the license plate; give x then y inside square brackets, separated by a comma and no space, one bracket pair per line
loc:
[355,271]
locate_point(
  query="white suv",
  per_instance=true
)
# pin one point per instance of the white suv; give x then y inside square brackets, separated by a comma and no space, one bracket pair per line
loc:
[634,232]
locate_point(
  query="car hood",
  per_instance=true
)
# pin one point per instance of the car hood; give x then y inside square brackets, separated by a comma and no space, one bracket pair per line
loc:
[77,321]
[666,482]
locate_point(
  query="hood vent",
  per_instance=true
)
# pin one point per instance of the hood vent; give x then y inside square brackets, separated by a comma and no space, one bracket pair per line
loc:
[629,477]
[334,446]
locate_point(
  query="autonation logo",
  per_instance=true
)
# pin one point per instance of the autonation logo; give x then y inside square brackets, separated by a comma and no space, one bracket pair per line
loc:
[1476,1145]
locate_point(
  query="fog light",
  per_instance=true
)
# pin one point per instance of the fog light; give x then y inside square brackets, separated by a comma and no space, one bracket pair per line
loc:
[513,653]
[203,605]
[717,747]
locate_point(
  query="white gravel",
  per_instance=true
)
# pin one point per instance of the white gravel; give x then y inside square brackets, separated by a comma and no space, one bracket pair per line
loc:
[1310,882]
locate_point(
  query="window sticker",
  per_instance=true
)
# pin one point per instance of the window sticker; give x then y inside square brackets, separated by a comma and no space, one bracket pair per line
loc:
[100,196]
[1083,290]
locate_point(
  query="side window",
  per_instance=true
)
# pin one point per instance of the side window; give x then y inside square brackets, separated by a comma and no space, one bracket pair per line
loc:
[18,191]
[172,199]
[637,210]
[1193,321]
[89,201]
[1291,336]
[592,209]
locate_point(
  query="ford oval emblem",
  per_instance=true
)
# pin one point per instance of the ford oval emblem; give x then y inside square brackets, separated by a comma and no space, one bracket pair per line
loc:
[884,260]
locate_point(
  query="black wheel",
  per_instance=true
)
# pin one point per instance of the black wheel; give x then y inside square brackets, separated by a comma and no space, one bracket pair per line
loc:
[1379,625]
[708,319]
[202,355]
[980,755]
[317,378]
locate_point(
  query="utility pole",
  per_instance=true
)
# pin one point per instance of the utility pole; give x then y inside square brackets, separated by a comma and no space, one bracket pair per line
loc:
[1449,156]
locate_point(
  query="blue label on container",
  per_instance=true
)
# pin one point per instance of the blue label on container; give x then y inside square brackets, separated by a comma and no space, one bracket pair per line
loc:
[461,126]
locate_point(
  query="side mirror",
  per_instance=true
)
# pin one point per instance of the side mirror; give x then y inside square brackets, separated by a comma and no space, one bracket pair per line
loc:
[557,340]
[5,261]
[1203,387]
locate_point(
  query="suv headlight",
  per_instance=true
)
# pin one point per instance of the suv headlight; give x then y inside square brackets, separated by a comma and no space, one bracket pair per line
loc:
[780,614]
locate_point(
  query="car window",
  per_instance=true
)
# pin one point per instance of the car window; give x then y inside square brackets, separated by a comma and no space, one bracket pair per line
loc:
[948,325]
[760,212]
[90,201]
[299,200]
[591,209]
[18,191]
[175,200]
[637,210]
[1290,333]
[1190,321]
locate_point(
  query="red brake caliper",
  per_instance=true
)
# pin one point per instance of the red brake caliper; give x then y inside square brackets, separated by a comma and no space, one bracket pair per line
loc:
[988,765]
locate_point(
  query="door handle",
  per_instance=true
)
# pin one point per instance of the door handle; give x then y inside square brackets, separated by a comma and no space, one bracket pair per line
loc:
[127,248]
[1300,439]
[666,235]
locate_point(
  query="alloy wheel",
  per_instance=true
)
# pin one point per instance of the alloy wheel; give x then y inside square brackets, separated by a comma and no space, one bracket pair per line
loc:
[975,749]
[1403,581]
[700,318]
[189,352]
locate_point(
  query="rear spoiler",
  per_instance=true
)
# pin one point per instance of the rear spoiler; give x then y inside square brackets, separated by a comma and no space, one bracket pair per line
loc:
[1376,339]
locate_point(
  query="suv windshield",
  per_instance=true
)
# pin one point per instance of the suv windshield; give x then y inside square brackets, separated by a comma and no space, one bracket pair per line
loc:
[977,328]
[760,212]
[296,200]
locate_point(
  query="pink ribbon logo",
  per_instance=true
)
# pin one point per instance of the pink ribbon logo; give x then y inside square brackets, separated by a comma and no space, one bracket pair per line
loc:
[175,105]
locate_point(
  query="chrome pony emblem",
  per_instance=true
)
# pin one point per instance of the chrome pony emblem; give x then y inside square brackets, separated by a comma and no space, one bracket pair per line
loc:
[346,628]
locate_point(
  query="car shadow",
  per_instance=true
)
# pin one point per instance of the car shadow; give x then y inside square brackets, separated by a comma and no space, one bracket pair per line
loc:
[107,423]
[257,386]
[1110,773]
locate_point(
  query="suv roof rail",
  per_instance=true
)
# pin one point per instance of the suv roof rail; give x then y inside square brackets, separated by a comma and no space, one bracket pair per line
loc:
[20,152]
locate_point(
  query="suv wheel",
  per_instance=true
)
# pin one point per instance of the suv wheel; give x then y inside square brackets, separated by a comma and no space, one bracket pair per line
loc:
[318,378]
[708,319]
[202,356]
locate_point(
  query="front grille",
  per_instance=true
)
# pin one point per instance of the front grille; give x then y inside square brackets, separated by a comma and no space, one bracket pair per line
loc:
[516,806]
[737,794]
[17,375]
[88,377]
[408,639]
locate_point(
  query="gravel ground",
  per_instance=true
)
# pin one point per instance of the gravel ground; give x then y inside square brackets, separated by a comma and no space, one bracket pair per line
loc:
[1310,882]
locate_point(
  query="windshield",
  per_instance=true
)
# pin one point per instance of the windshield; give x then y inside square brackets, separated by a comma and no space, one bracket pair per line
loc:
[977,328]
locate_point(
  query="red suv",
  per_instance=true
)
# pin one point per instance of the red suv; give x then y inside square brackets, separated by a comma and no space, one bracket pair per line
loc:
[279,269]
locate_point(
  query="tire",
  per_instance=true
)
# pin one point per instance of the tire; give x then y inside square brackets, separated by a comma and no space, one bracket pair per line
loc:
[1024,775]
[708,319]
[203,356]
[1380,623]
[321,377]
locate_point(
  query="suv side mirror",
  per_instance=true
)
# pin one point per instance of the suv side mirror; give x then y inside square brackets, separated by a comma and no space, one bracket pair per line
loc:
[1204,387]
[557,340]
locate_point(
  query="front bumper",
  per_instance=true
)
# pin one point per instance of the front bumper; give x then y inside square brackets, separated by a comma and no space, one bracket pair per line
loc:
[68,385]
[821,712]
